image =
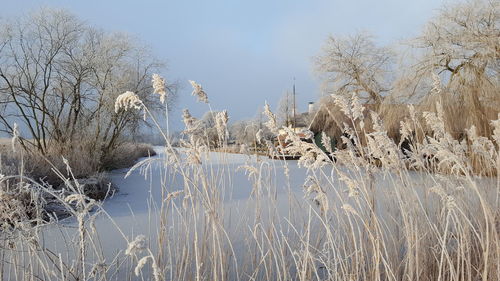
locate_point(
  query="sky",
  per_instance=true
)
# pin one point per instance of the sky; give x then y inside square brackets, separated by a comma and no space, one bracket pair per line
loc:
[243,52]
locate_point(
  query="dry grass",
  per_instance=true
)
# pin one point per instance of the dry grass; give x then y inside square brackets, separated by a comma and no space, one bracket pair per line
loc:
[50,171]
[126,155]
[367,216]
[4,142]
[330,119]
[85,160]
[356,220]
[367,212]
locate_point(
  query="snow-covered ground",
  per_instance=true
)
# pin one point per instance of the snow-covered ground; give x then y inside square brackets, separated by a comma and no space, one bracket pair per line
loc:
[134,208]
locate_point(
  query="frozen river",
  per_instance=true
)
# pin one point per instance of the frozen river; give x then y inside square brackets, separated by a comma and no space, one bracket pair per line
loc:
[135,209]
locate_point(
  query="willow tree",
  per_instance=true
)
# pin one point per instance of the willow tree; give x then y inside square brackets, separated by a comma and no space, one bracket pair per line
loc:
[461,45]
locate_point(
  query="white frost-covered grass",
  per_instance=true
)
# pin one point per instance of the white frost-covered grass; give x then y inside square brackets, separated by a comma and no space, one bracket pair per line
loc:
[373,213]
[282,207]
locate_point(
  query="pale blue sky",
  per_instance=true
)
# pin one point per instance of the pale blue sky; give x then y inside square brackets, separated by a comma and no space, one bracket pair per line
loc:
[243,52]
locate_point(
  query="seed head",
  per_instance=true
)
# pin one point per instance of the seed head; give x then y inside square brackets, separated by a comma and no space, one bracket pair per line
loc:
[271,122]
[140,265]
[137,245]
[199,92]
[221,119]
[127,100]
[159,86]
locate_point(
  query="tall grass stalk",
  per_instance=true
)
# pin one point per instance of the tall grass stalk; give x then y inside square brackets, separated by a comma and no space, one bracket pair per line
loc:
[367,212]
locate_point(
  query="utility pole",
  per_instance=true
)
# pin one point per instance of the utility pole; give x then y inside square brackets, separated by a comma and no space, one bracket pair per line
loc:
[287,108]
[294,121]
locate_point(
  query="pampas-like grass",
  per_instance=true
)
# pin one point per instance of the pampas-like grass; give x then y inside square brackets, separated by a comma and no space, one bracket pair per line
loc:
[159,87]
[365,216]
[198,92]
[127,100]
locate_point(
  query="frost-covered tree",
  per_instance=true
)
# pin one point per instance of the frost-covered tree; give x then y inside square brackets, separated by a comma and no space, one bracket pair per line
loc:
[212,128]
[59,79]
[461,47]
[245,132]
[355,64]
[462,40]
[285,109]
[210,134]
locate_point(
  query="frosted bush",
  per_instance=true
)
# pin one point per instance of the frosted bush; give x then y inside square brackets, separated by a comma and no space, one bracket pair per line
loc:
[244,149]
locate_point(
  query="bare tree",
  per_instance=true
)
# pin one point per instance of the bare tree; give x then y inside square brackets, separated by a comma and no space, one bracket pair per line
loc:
[244,131]
[463,37]
[355,64]
[60,77]
[210,135]
[285,109]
